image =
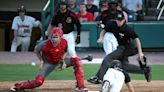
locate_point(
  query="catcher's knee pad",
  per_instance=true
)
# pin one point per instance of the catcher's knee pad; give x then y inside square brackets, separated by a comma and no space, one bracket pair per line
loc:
[105,86]
[76,62]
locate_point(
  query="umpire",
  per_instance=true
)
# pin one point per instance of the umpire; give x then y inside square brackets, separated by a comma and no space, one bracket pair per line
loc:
[124,34]
[66,19]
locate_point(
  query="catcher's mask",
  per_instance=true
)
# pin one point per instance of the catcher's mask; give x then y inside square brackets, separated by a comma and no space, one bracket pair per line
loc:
[116,64]
[57,32]
[56,35]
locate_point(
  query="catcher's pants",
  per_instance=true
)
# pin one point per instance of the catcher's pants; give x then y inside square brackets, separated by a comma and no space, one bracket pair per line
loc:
[115,78]
[77,66]
[109,43]
[71,43]
[121,53]
[23,41]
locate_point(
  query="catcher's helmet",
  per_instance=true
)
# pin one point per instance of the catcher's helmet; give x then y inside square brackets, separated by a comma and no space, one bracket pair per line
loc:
[116,64]
[57,31]
[21,8]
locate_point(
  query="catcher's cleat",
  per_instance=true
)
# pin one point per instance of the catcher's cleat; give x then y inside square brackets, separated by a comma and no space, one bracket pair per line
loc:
[14,89]
[147,73]
[94,80]
[84,89]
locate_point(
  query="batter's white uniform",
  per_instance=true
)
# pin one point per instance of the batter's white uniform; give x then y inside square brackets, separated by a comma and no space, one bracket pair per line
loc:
[24,30]
[109,42]
[115,78]
[71,44]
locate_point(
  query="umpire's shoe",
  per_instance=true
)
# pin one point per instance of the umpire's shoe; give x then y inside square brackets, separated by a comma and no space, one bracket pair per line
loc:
[147,73]
[94,80]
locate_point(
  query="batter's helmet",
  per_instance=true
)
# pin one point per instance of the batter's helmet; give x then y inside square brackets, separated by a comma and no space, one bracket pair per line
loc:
[57,31]
[116,64]
[21,8]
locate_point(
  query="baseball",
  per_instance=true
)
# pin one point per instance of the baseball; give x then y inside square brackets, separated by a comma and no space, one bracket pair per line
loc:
[33,64]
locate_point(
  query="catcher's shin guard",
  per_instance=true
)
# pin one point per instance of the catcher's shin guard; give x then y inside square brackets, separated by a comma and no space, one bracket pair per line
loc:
[78,71]
[30,84]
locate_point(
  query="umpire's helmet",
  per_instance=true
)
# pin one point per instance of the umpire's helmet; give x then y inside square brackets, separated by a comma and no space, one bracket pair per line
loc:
[21,8]
[116,64]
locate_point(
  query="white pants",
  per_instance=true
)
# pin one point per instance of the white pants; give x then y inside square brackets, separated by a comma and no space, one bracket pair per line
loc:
[71,44]
[23,41]
[109,43]
[116,79]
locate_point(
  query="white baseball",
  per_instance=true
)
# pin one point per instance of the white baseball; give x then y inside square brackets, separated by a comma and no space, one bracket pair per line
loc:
[33,64]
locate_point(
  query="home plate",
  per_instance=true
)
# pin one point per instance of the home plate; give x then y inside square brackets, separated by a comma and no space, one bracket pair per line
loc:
[93,91]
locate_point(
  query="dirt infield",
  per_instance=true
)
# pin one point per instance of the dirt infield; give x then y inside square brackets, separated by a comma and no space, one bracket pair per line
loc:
[68,86]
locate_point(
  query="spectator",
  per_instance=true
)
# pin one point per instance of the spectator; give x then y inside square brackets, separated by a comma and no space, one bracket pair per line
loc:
[22,26]
[134,7]
[92,8]
[83,15]
[73,6]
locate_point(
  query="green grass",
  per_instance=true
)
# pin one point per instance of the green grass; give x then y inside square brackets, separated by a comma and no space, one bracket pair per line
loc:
[19,72]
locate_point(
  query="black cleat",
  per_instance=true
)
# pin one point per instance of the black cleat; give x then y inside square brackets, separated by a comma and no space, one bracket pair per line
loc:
[94,80]
[147,73]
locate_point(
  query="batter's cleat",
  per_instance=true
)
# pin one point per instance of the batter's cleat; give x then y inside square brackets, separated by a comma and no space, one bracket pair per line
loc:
[147,73]
[94,80]
[84,89]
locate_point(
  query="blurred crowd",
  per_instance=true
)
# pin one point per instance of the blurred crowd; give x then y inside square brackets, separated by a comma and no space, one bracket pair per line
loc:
[90,10]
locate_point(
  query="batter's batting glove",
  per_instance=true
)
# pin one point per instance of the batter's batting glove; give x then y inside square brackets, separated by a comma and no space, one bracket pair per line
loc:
[78,39]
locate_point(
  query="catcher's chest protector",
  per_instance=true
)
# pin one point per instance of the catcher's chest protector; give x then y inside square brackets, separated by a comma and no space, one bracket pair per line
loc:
[53,54]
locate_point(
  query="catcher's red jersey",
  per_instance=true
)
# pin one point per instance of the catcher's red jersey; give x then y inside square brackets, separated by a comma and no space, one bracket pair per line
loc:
[54,54]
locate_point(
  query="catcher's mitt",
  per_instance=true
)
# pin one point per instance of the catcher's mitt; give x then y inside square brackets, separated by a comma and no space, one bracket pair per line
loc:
[61,65]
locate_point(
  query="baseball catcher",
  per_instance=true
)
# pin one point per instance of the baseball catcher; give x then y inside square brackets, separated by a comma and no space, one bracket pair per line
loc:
[52,53]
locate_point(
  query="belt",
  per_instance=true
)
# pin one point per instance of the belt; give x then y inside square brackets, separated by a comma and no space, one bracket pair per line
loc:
[22,36]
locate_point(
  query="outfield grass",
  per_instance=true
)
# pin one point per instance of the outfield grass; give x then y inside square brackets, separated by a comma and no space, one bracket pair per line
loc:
[19,72]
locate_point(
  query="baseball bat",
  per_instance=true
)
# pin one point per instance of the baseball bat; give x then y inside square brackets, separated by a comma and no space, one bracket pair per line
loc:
[88,57]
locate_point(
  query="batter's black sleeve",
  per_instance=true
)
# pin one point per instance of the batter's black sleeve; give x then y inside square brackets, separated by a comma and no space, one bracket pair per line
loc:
[127,77]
